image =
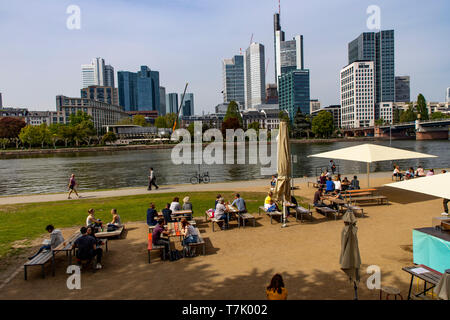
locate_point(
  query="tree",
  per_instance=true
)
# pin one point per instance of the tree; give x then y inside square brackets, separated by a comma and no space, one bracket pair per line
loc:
[30,135]
[4,142]
[109,137]
[409,115]
[301,125]
[10,127]
[233,112]
[322,124]
[161,122]
[44,134]
[230,123]
[396,115]
[79,117]
[439,115]
[422,107]
[254,125]
[379,122]
[139,120]
[124,121]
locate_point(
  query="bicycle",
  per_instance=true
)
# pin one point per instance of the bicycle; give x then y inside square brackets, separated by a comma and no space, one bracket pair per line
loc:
[199,178]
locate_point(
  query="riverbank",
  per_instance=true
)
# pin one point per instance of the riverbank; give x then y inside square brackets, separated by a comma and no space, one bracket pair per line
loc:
[113,148]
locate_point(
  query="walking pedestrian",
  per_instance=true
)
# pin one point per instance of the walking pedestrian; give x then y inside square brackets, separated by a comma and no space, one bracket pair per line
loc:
[152,180]
[72,186]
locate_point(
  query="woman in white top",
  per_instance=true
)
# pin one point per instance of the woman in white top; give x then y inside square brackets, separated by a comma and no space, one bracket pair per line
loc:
[91,220]
[337,184]
[175,205]
[190,233]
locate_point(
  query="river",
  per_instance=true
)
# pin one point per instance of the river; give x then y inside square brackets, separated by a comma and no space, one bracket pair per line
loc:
[108,170]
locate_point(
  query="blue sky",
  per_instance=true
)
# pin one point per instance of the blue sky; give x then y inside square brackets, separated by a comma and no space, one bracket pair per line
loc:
[186,40]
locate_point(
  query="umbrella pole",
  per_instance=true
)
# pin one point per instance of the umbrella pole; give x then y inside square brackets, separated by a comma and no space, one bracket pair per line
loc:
[368,172]
[356,290]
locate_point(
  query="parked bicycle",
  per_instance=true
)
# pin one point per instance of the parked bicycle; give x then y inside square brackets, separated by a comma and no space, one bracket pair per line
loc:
[199,178]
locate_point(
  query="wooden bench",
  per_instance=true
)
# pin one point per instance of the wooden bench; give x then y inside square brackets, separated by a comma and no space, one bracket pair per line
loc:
[152,247]
[110,234]
[200,243]
[357,194]
[377,199]
[245,217]
[354,208]
[303,211]
[270,214]
[325,211]
[40,260]
[68,246]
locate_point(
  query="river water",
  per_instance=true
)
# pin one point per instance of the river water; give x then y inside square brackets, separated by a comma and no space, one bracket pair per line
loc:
[108,170]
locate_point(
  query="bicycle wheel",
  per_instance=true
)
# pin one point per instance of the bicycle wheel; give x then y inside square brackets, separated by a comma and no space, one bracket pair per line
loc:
[194,180]
[205,179]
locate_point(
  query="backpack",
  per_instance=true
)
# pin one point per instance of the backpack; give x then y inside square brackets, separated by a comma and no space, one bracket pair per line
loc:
[175,255]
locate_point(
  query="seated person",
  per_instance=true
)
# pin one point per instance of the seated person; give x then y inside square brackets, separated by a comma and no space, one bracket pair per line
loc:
[152,214]
[56,238]
[239,203]
[420,172]
[156,236]
[189,232]
[87,247]
[318,198]
[409,174]
[167,213]
[354,185]
[175,205]
[345,184]
[267,200]
[337,195]
[430,173]
[92,221]
[337,183]
[221,213]
[273,182]
[217,201]
[329,185]
[187,205]
[276,289]
[115,219]
[397,173]
[272,206]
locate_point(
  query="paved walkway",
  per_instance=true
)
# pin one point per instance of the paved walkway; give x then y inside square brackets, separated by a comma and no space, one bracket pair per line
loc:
[220,186]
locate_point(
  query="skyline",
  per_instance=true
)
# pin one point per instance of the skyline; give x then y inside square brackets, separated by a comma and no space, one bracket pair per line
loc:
[196,55]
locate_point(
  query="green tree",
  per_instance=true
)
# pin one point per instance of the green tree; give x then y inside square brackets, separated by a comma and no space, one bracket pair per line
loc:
[408,116]
[139,120]
[109,137]
[10,127]
[301,125]
[161,122]
[190,128]
[396,115]
[79,117]
[233,112]
[124,121]
[422,107]
[170,120]
[30,136]
[439,115]
[254,125]
[4,142]
[230,123]
[44,134]
[379,122]
[322,124]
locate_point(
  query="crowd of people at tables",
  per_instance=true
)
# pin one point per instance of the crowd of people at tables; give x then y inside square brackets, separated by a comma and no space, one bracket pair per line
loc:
[411,173]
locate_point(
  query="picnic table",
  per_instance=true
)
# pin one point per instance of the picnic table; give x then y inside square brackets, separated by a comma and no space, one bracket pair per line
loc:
[241,216]
[68,246]
[424,273]
[110,234]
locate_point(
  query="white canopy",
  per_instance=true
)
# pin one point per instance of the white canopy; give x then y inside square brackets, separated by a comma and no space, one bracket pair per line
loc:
[437,185]
[371,153]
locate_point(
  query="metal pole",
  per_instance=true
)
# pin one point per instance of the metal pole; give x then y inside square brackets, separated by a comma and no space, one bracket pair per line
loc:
[368,172]
[390,135]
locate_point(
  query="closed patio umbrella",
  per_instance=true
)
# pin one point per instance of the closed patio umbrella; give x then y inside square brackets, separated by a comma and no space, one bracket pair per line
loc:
[443,287]
[371,153]
[283,186]
[350,259]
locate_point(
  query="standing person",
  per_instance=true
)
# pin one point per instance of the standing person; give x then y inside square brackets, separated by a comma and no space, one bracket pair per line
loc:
[56,238]
[152,180]
[276,290]
[332,166]
[72,186]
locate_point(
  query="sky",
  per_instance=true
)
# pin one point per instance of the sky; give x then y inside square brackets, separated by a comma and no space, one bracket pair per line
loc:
[186,40]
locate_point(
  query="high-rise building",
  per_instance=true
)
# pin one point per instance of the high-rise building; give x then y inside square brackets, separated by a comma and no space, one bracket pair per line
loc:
[139,91]
[288,54]
[187,108]
[271,93]
[109,76]
[293,92]
[93,74]
[101,93]
[172,103]
[314,105]
[379,48]
[162,101]
[357,88]
[255,75]
[233,80]
[447,99]
[402,89]
[1,101]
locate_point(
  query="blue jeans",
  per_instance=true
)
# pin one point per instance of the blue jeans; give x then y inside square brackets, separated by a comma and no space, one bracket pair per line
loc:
[190,239]
[47,247]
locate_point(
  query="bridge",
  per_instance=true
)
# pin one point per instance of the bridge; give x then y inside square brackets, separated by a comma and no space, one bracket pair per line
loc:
[421,130]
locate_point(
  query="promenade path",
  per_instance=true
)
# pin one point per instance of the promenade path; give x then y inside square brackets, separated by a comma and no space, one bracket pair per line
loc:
[249,185]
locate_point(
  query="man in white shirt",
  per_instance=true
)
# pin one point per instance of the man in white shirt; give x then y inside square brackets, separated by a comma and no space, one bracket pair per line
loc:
[152,180]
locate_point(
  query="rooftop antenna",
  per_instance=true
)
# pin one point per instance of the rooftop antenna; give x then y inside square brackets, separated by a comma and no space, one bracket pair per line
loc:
[279,7]
[251,39]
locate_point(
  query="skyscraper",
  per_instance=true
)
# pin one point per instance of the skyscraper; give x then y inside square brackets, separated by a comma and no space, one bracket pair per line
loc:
[109,76]
[234,80]
[379,48]
[139,91]
[172,103]
[255,75]
[402,89]
[162,101]
[447,97]
[187,108]
[357,87]
[294,92]
[288,54]
[1,101]
[93,74]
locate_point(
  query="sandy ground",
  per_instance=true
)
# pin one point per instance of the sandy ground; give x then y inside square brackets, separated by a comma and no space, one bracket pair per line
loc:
[239,263]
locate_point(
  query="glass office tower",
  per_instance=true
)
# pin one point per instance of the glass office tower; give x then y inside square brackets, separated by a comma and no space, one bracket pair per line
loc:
[233,80]
[294,92]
